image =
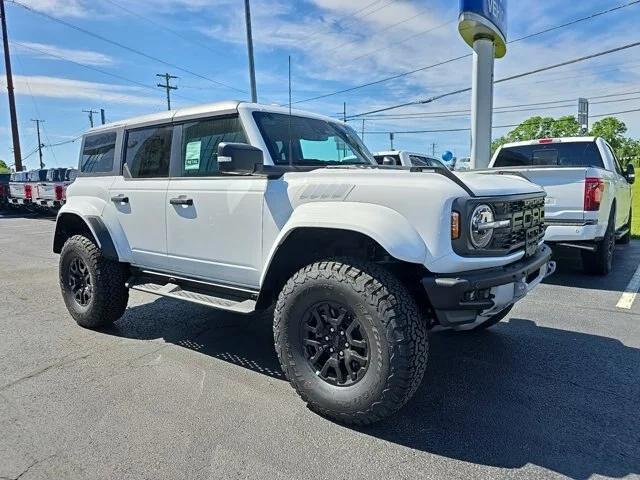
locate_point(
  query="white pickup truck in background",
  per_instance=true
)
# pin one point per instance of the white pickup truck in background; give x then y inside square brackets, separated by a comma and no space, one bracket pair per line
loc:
[402,158]
[588,204]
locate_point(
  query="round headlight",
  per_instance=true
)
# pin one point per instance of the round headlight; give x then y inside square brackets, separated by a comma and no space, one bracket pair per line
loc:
[481,226]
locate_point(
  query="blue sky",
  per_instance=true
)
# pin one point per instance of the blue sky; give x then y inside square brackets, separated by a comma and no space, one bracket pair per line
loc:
[333,44]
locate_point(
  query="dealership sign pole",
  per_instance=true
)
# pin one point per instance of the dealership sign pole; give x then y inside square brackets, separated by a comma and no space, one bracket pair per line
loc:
[483,25]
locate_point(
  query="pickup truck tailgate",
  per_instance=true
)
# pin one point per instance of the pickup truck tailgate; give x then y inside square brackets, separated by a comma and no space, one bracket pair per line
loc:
[564,187]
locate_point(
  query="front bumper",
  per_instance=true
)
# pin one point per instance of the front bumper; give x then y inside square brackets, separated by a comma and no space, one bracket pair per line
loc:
[469,296]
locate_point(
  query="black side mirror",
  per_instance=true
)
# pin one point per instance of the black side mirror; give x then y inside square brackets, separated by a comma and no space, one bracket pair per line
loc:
[388,161]
[239,158]
[631,174]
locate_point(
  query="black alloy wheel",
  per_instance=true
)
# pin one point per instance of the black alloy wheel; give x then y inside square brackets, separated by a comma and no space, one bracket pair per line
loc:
[335,344]
[80,282]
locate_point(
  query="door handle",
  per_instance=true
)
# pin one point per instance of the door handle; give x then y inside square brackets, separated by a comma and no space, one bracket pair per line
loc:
[120,199]
[181,201]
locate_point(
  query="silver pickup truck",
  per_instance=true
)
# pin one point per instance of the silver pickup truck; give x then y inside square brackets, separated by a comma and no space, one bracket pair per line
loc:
[588,203]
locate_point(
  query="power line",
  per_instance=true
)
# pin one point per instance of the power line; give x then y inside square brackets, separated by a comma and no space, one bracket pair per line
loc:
[551,102]
[164,27]
[386,29]
[354,16]
[444,62]
[502,80]
[123,46]
[466,113]
[95,69]
[447,130]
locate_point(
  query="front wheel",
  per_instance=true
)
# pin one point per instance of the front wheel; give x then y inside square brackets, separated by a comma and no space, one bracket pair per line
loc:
[93,288]
[350,340]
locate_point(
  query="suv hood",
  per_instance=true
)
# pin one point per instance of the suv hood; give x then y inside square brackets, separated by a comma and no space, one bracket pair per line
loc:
[492,184]
[486,184]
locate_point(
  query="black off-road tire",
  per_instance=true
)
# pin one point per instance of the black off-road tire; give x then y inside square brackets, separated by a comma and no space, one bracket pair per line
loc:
[600,262]
[387,312]
[626,238]
[108,294]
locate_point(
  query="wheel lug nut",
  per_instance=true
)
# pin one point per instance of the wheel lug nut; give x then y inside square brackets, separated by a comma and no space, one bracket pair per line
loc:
[346,344]
[341,332]
[332,330]
[341,354]
[331,350]
[326,338]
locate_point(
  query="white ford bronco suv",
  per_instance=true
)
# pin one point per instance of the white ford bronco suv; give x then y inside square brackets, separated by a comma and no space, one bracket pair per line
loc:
[241,207]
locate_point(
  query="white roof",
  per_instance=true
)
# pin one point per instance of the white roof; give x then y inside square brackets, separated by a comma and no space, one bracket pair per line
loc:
[204,110]
[551,140]
[398,152]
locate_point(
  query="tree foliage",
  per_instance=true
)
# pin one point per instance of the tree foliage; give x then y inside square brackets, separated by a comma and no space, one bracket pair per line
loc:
[3,167]
[535,128]
[610,128]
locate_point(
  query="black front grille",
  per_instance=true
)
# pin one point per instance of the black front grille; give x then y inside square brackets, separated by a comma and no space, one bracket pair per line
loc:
[527,227]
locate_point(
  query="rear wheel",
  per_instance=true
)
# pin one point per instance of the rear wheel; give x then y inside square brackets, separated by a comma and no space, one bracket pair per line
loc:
[350,340]
[93,288]
[626,238]
[600,262]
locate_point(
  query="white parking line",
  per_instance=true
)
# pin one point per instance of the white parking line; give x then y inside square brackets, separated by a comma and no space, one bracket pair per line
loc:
[629,295]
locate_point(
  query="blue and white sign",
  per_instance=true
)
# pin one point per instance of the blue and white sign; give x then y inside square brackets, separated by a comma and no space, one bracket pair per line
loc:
[484,18]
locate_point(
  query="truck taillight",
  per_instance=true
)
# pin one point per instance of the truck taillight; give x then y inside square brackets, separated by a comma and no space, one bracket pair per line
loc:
[593,190]
[28,192]
[59,192]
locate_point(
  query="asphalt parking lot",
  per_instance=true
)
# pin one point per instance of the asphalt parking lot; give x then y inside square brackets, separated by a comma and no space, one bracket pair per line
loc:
[180,391]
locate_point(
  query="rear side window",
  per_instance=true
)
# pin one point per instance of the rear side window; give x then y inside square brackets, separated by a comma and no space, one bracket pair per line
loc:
[576,154]
[380,159]
[148,152]
[98,153]
[200,144]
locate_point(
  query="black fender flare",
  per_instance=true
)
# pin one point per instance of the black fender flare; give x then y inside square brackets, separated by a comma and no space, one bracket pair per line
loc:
[69,224]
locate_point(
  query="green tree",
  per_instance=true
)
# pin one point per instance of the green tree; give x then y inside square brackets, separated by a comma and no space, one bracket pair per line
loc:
[612,130]
[3,167]
[540,127]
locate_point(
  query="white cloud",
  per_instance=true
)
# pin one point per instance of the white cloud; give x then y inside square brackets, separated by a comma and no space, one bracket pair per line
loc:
[56,87]
[52,52]
[62,8]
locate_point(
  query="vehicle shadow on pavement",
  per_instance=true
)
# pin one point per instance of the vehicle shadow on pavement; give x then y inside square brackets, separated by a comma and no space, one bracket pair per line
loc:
[524,394]
[570,274]
[515,395]
[246,341]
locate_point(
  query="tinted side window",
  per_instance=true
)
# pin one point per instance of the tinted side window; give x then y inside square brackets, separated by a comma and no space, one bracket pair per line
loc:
[200,142]
[148,152]
[98,153]
[616,162]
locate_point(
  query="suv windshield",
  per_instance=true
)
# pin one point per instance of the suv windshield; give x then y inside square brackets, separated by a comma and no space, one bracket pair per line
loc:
[294,140]
[574,154]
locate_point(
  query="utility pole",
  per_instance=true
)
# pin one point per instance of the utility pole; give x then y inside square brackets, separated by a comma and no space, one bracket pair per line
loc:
[433,149]
[252,67]
[167,86]
[90,113]
[391,135]
[344,112]
[40,145]
[102,116]
[362,136]
[17,154]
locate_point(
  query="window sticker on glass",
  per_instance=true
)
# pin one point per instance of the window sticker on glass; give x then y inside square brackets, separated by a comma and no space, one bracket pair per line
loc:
[192,156]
